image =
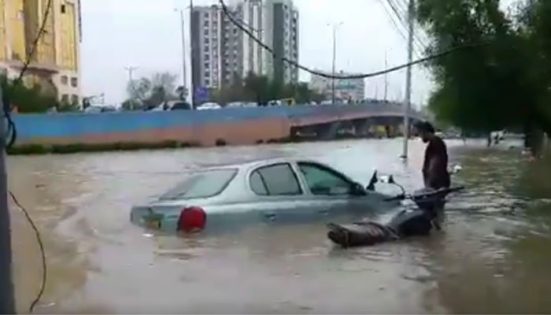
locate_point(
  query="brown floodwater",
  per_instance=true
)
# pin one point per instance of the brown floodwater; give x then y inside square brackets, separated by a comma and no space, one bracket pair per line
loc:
[492,257]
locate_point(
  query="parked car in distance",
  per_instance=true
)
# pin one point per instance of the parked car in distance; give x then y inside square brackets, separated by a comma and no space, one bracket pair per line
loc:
[172,105]
[241,105]
[100,109]
[273,190]
[209,105]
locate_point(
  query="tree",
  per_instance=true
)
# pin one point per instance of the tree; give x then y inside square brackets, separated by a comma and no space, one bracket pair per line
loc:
[27,99]
[150,92]
[260,89]
[492,86]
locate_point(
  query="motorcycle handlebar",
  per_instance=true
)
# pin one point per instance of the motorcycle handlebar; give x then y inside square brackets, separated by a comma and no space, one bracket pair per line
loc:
[428,194]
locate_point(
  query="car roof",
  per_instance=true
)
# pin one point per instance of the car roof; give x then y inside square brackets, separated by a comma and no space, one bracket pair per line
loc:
[254,163]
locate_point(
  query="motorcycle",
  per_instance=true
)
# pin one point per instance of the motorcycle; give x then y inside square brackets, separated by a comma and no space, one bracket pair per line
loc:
[418,219]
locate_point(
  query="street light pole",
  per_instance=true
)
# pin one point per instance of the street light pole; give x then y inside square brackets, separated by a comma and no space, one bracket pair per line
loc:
[7,302]
[184,68]
[407,105]
[334,62]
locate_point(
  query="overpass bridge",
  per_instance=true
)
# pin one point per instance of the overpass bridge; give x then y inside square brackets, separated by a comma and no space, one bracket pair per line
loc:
[328,122]
[208,127]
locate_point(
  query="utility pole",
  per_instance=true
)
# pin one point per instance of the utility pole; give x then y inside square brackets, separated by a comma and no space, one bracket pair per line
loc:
[130,71]
[334,61]
[192,48]
[184,68]
[386,77]
[7,302]
[407,105]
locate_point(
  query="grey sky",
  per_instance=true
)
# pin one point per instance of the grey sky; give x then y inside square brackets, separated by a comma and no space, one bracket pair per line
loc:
[146,34]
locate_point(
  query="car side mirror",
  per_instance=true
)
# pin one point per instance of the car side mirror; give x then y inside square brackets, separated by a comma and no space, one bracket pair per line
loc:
[372,182]
[357,190]
[387,179]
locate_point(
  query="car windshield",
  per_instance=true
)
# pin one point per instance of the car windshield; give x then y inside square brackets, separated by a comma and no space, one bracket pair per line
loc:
[201,185]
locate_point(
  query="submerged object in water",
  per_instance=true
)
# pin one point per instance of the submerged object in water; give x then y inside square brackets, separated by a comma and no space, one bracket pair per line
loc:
[410,222]
[405,223]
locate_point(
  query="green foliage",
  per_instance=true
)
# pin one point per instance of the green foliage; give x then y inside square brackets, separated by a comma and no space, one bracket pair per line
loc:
[27,100]
[261,90]
[501,84]
[150,92]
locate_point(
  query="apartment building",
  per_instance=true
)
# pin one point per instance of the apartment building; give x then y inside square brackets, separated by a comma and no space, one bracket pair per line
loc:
[345,89]
[55,63]
[221,51]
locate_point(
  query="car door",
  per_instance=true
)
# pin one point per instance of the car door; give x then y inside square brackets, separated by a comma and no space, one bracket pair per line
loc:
[279,195]
[335,193]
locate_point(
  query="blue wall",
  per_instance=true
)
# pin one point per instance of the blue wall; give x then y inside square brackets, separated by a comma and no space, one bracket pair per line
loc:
[61,125]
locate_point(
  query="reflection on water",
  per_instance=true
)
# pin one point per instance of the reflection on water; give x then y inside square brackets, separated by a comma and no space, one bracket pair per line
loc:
[491,257]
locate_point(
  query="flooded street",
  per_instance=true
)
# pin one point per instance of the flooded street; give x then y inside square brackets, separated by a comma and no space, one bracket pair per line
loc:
[492,257]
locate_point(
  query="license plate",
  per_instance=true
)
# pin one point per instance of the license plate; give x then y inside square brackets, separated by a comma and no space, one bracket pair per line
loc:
[152,223]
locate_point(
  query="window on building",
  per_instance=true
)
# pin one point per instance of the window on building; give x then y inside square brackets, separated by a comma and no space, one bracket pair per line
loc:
[63,9]
[206,32]
[65,98]
[206,23]
[74,99]
[64,80]
[207,41]
[74,82]
[207,82]
[207,57]
[206,15]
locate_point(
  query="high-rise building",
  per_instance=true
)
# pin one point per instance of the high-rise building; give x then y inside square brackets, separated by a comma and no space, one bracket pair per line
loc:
[280,31]
[55,63]
[221,52]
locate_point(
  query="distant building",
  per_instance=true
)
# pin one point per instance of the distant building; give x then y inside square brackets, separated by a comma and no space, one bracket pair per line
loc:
[345,89]
[55,62]
[221,51]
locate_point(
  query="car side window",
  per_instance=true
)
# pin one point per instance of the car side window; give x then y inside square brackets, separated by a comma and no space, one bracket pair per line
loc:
[323,181]
[275,180]
[257,184]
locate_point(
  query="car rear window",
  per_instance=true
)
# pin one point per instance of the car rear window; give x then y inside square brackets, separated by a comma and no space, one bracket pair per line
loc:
[201,185]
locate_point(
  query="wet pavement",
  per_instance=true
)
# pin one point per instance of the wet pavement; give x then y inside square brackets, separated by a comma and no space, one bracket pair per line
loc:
[492,257]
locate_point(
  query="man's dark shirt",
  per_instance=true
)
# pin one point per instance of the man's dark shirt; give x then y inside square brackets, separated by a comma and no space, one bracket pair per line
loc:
[440,178]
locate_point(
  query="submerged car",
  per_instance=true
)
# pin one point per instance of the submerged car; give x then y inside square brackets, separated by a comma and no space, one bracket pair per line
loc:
[274,190]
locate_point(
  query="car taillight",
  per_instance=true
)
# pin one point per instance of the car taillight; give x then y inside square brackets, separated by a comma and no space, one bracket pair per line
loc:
[192,219]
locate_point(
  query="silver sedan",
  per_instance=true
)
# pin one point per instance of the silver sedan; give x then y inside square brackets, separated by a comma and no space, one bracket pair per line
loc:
[274,190]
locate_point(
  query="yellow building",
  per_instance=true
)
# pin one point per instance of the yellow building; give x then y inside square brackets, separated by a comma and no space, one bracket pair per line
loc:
[55,61]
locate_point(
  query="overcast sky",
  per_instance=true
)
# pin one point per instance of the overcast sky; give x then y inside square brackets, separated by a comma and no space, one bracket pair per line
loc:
[146,34]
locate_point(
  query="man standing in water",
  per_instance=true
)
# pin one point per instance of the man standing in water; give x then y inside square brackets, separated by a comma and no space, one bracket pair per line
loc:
[435,166]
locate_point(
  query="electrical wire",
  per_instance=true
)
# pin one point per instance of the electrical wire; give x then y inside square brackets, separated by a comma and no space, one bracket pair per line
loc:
[12,131]
[12,136]
[354,76]
[42,252]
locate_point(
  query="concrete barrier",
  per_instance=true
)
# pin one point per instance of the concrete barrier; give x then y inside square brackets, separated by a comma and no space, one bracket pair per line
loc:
[232,125]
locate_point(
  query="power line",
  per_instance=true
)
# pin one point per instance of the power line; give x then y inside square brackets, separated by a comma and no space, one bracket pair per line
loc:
[356,76]
[12,131]
[420,46]
[12,138]
[401,10]
[42,252]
